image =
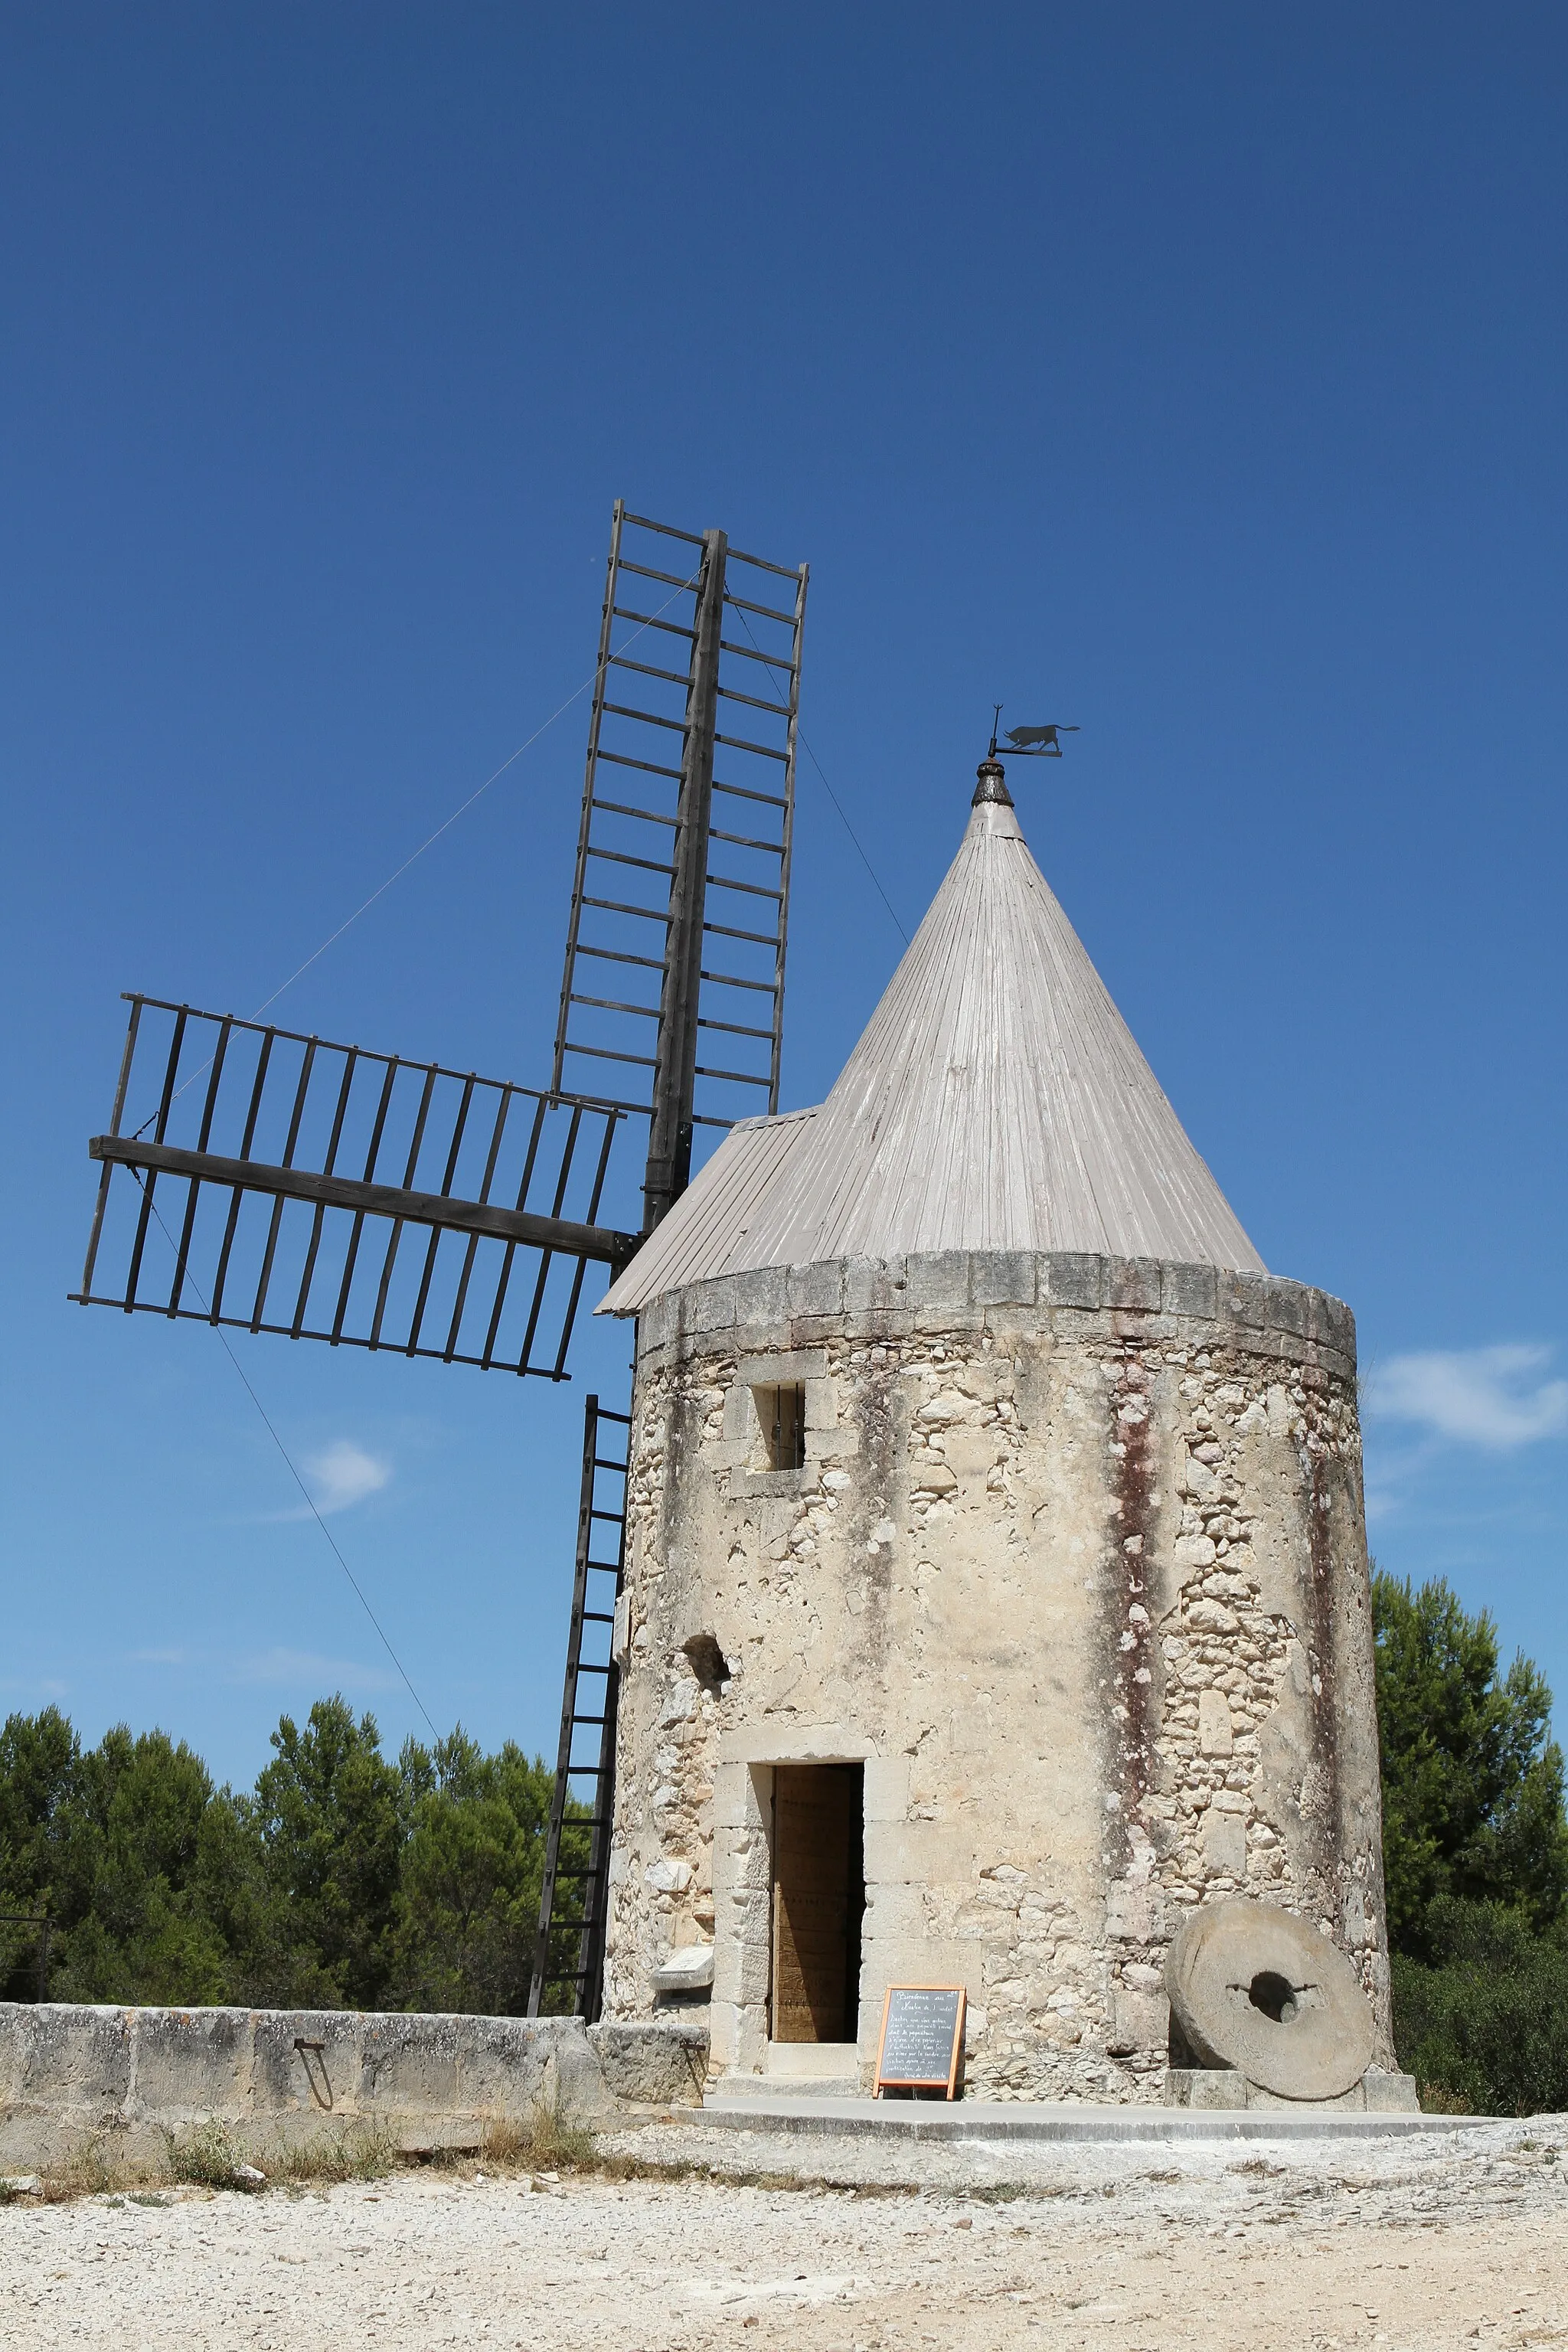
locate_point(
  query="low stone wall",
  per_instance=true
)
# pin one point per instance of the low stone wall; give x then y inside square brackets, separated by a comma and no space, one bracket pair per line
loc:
[69,2073]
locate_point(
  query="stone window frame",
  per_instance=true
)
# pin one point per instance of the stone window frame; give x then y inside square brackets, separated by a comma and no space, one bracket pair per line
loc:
[804,1368]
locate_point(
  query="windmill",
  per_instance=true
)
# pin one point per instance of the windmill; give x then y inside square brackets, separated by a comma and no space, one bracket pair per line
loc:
[336,1192]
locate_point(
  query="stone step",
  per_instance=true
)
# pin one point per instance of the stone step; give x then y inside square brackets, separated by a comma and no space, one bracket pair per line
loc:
[781,2087]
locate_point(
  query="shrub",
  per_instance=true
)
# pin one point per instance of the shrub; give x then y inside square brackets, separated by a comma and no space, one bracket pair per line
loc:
[1483,2026]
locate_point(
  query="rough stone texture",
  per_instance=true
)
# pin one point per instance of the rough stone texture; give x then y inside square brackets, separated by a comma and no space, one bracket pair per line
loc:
[1076,1565]
[1221,2087]
[1316,2046]
[68,2072]
[661,2068]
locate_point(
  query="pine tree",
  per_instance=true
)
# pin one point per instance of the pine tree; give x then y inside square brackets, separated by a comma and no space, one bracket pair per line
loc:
[1472,1780]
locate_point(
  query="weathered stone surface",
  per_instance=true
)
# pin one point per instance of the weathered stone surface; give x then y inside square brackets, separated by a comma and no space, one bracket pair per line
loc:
[1244,1297]
[1133,1283]
[1256,1990]
[711,1305]
[1287,1306]
[1206,2086]
[281,2080]
[660,2064]
[1217,2086]
[660,1322]
[1002,1278]
[876,1287]
[762,1296]
[1190,1290]
[815,1289]
[691,1969]
[59,2053]
[940,1279]
[198,2069]
[68,2072]
[1085,1589]
[1214,1730]
[1074,1278]
[1388,2094]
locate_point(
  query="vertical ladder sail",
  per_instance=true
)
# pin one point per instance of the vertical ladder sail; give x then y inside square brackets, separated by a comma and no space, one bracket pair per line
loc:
[680,903]
[682,886]
[569,1952]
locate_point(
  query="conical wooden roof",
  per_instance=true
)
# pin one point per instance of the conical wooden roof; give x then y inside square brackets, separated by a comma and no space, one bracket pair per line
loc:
[997,1101]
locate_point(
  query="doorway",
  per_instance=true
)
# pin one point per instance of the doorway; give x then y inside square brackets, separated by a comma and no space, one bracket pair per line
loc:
[819,1900]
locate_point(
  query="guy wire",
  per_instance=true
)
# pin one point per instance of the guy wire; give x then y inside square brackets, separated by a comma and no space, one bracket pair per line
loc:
[293,1473]
[575,695]
[778,680]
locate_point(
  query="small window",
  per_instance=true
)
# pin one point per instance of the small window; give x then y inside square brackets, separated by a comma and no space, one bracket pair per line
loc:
[708,1662]
[781,1414]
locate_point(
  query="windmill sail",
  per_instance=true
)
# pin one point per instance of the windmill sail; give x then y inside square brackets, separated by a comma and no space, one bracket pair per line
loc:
[672,996]
[283,1184]
[279,1183]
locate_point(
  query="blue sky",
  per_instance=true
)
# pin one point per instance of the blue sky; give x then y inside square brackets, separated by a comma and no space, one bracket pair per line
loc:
[1195,375]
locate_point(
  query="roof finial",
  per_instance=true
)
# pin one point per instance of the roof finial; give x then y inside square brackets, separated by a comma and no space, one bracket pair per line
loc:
[990,777]
[991,785]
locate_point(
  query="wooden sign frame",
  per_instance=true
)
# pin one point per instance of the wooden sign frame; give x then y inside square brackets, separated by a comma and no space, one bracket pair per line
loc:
[946,2084]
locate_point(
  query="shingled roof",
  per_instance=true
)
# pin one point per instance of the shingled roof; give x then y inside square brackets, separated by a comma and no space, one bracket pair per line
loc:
[996,1101]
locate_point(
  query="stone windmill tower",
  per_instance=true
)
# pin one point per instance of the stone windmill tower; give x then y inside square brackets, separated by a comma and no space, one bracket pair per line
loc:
[996,1579]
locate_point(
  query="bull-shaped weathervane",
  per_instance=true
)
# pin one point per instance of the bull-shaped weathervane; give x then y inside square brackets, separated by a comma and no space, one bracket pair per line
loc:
[1031,742]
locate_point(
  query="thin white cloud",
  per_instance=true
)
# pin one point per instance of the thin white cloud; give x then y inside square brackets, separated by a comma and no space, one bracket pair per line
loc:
[309,1668]
[339,1475]
[158,1657]
[344,1473]
[1482,1396]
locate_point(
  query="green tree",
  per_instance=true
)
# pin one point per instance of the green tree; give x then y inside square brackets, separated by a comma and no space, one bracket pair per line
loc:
[319,1848]
[467,1905]
[39,1760]
[135,1929]
[1472,1781]
[108,1845]
[341,1882]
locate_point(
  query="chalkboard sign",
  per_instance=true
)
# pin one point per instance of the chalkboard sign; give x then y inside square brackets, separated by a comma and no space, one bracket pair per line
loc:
[923,2039]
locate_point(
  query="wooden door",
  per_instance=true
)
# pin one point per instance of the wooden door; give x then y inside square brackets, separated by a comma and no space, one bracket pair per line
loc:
[819,1894]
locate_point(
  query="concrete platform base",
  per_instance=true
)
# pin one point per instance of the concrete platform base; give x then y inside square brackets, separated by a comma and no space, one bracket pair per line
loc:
[1019,2120]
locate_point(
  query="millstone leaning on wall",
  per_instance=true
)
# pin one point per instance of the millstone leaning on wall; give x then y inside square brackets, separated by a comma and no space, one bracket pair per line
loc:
[1076,1565]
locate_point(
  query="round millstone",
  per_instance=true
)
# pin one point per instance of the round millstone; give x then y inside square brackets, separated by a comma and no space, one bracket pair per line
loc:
[1254,1988]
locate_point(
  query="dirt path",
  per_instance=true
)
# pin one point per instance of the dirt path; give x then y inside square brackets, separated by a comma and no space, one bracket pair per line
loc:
[1426,2244]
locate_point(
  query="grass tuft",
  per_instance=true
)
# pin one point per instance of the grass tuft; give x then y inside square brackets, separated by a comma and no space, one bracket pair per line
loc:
[368,2153]
[204,2157]
[1436,2099]
[93,2169]
[208,2156]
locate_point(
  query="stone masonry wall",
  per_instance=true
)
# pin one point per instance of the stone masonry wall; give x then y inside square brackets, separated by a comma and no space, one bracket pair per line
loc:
[73,2073]
[1076,1565]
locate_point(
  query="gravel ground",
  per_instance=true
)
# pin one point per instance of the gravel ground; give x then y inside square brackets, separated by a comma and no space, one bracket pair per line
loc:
[1449,2240]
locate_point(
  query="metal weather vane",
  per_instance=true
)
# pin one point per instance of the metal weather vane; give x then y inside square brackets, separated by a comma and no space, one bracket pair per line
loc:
[1030,742]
